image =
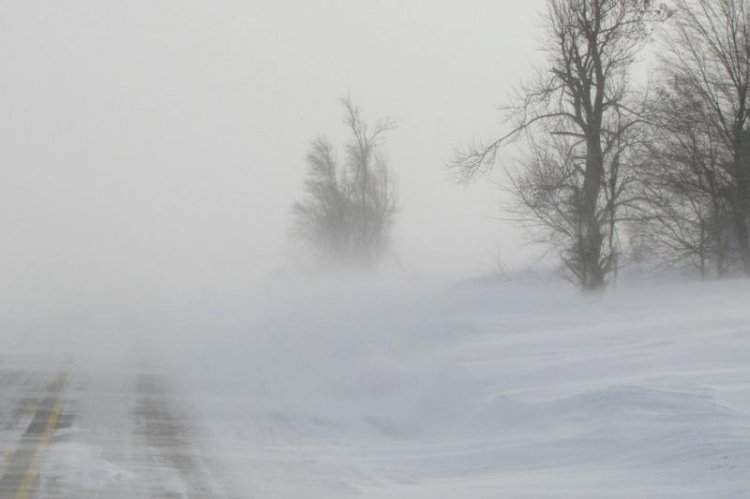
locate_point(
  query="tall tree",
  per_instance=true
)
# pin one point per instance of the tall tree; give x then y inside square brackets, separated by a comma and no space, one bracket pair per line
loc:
[682,209]
[708,54]
[577,111]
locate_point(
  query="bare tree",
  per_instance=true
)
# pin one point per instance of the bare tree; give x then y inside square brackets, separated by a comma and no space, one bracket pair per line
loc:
[372,187]
[682,209]
[577,117]
[348,210]
[708,53]
[322,219]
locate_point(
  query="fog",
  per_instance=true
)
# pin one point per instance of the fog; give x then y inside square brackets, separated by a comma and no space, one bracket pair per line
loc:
[165,332]
[158,147]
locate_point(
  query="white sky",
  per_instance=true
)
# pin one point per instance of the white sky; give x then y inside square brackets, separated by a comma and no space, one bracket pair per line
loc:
[161,143]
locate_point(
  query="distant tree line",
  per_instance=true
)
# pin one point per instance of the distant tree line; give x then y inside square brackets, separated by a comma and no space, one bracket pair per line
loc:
[613,171]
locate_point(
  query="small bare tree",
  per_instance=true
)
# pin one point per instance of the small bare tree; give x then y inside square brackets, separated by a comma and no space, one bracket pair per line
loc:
[322,219]
[372,187]
[349,210]
[577,119]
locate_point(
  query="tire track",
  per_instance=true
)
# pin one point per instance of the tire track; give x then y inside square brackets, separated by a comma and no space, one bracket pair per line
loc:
[167,442]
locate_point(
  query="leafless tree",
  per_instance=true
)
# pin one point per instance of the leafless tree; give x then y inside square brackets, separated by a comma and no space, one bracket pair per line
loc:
[708,53]
[372,187]
[577,117]
[349,209]
[682,208]
[321,219]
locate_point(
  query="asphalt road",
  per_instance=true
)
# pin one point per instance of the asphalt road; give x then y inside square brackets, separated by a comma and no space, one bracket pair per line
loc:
[71,433]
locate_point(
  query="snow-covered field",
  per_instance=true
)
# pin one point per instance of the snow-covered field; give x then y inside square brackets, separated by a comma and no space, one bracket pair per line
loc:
[518,391]
[471,391]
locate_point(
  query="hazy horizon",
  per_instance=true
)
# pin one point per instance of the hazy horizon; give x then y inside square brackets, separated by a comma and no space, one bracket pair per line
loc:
[162,146]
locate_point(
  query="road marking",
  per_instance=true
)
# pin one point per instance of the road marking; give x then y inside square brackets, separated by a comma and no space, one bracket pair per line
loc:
[27,481]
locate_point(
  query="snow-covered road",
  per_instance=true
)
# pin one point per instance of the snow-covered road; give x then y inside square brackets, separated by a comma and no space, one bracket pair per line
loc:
[515,391]
[77,433]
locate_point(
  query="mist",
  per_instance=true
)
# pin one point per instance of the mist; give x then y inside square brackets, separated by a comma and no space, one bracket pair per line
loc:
[336,249]
[160,148]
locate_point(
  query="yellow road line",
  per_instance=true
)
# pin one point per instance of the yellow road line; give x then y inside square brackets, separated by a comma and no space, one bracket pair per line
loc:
[27,482]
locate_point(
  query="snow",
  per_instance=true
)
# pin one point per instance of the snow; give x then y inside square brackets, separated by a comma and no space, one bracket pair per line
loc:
[392,389]
[78,465]
[502,390]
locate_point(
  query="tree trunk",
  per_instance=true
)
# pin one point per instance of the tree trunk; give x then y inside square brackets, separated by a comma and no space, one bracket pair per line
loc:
[741,202]
[591,247]
[741,219]
[743,241]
